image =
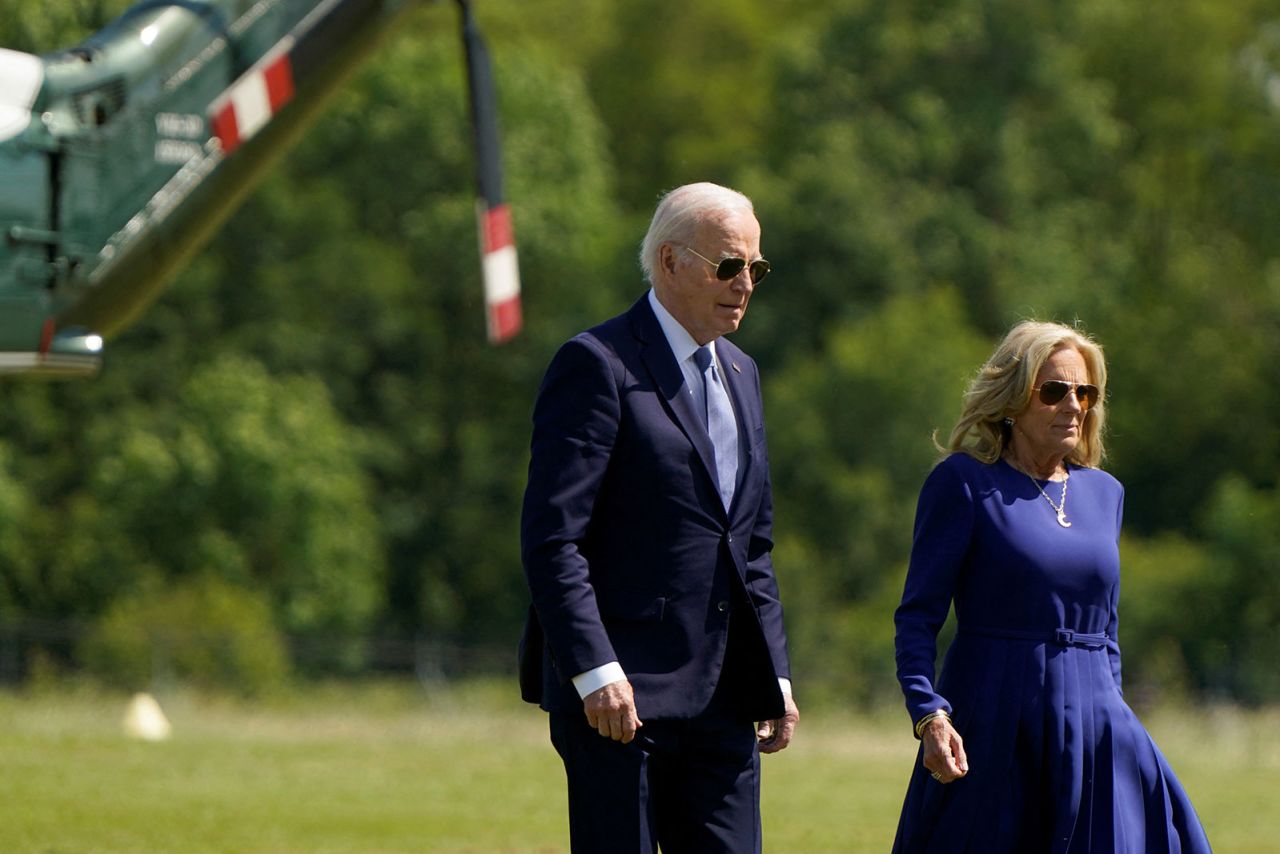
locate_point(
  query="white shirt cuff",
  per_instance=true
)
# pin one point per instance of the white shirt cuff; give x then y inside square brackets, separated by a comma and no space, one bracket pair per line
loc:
[598,677]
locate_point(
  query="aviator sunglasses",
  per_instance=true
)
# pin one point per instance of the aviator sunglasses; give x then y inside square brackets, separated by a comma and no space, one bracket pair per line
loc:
[728,268]
[1053,391]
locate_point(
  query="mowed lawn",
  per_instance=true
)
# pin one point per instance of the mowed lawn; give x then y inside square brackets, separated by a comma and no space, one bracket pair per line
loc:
[394,768]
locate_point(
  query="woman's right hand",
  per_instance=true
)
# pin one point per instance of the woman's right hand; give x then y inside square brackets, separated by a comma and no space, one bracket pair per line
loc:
[944,755]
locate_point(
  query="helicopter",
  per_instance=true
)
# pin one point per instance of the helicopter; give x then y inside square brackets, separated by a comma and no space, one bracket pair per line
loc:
[121,156]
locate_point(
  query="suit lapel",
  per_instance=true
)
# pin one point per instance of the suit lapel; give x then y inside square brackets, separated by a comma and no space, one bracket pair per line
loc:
[661,363]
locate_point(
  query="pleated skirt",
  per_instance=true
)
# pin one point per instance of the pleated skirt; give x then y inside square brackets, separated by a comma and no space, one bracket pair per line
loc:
[1057,761]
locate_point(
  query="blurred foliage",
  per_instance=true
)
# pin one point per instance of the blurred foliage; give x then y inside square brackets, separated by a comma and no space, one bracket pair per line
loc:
[311,417]
[205,632]
[849,428]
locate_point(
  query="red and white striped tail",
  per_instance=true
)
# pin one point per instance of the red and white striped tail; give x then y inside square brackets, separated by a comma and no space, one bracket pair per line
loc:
[250,102]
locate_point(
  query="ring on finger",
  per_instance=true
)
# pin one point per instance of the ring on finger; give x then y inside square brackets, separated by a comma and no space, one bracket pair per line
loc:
[937,776]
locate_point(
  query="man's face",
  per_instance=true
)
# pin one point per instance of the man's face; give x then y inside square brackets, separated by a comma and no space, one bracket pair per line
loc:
[687,285]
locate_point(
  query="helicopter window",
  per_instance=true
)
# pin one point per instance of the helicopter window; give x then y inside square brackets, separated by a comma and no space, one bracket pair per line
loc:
[96,106]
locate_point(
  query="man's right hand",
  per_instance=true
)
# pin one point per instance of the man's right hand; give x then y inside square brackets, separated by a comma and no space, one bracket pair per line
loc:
[611,711]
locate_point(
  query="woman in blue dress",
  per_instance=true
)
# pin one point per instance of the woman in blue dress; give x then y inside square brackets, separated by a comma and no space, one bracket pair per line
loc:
[1027,744]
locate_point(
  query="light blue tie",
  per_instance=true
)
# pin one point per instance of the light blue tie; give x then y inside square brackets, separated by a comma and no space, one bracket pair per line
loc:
[721,426]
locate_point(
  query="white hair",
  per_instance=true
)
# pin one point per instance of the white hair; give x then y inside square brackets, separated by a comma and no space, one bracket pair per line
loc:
[678,214]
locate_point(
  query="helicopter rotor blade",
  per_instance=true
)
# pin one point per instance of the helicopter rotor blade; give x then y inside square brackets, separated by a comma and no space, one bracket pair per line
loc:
[501,270]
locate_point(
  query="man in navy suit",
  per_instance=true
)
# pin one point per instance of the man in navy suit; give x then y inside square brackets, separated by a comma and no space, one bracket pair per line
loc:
[655,639]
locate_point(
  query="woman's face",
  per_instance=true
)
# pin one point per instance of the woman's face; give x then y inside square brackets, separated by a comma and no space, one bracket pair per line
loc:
[1046,431]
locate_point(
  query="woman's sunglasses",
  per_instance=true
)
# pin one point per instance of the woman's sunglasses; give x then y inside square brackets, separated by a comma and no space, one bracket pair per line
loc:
[1053,391]
[729,268]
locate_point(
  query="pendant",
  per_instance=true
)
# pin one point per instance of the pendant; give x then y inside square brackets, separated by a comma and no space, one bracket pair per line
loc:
[1062,519]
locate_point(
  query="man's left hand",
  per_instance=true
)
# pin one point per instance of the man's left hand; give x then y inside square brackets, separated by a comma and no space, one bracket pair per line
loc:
[775,735]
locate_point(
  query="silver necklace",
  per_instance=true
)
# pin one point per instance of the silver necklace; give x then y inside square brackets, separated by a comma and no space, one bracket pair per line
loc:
[1061,507]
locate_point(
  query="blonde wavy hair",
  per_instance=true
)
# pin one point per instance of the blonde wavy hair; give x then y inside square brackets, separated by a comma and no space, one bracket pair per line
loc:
[1003,386]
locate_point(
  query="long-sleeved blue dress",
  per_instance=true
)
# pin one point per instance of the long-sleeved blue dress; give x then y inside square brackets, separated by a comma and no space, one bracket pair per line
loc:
[1057,760]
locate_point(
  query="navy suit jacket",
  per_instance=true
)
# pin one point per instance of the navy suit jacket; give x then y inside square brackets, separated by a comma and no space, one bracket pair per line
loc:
[628,550]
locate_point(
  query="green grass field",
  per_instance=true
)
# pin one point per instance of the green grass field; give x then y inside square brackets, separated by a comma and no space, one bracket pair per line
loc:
[391,768]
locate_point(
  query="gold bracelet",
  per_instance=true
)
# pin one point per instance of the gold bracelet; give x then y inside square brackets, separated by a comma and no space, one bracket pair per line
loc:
[924,721]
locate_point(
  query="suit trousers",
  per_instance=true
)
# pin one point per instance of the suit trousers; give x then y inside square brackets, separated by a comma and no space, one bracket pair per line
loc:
[688,785]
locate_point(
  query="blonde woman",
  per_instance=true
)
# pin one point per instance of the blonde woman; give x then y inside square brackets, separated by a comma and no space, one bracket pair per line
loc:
[1026,742]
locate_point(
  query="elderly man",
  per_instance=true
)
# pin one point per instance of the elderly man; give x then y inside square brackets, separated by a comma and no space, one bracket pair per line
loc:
[655,640]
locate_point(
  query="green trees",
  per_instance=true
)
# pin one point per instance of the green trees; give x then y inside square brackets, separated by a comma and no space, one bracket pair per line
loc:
[1003,150]
[310,420]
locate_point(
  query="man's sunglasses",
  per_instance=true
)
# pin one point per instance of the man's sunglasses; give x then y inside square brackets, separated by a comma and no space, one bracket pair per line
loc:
[729,268]
[1053,391]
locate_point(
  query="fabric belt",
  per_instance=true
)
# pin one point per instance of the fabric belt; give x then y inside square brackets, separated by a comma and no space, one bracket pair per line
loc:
[1061,637]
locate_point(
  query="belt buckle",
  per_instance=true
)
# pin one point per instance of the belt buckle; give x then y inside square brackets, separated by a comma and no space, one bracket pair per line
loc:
[1065,637]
